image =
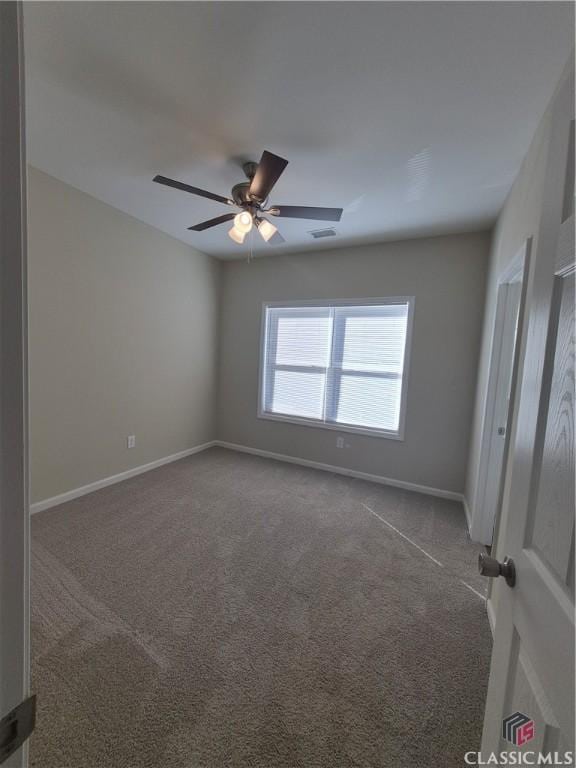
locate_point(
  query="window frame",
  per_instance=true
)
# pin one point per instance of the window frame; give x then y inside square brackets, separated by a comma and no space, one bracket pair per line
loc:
[262,413]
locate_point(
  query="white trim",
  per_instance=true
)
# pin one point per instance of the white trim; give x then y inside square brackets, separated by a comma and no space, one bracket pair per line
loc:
[467,512]
[425,489]
[514,272]
[75,493]
[14,475]
[491,614]
[314,423]
[565,251]
[359,302]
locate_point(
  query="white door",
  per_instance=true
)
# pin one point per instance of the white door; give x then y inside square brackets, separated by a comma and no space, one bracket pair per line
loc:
[530,702]
[14,521]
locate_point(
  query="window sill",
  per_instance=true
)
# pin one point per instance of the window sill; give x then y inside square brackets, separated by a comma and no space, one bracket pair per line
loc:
[378,433]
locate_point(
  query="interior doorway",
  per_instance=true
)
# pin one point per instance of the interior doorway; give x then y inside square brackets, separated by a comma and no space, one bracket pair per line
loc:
[501,388]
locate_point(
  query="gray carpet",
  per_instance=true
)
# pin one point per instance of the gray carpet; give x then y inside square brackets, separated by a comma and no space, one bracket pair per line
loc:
[228,610]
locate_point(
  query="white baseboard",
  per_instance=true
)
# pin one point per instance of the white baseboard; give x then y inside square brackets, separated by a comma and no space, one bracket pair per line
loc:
[452,495]
[75,493]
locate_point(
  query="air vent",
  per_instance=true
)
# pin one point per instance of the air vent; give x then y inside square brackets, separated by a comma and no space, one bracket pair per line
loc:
[317,233]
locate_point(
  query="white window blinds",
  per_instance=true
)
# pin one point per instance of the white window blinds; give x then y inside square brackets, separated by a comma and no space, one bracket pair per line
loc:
[336,365]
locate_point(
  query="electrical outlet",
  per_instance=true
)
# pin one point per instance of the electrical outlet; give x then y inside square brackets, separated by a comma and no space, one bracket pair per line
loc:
[131,441]
[339,442]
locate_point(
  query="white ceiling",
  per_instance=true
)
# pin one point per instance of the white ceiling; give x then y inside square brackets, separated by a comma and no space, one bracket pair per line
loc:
[414,117]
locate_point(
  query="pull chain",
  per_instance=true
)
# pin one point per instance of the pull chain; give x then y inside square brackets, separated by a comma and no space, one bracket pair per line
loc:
[251,254]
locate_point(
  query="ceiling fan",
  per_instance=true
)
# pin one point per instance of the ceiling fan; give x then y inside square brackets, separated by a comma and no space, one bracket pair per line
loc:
[252,198]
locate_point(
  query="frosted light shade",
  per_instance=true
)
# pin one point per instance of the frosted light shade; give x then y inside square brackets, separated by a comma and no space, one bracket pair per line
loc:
[243,222]
[266,229]
[237,236]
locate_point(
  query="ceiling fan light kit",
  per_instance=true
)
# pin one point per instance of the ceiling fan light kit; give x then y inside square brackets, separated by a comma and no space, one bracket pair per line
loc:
[252,198]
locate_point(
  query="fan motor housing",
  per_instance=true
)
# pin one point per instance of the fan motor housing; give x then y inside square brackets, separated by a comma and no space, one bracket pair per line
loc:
[240,194]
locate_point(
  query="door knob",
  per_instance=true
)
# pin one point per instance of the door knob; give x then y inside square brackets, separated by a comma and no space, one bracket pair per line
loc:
[489,566]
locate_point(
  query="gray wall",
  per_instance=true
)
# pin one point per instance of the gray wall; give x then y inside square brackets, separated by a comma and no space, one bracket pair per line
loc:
[123,340]
[447,277]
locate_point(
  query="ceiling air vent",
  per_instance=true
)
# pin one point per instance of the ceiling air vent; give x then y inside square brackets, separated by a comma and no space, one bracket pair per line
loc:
[317,233]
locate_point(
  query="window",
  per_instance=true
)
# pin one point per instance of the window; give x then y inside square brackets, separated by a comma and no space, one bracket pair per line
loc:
[338,365]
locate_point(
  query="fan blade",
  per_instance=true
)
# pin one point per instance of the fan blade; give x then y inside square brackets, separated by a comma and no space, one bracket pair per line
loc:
[213,222]
[306,212]
[267,174]
[194,190]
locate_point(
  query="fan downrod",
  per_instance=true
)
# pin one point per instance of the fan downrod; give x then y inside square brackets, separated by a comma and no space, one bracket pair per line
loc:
[250,169]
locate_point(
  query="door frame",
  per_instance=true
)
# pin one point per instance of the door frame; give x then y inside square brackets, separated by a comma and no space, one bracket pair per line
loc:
[487,503]
[515,503]
[14,514]
[524,606]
